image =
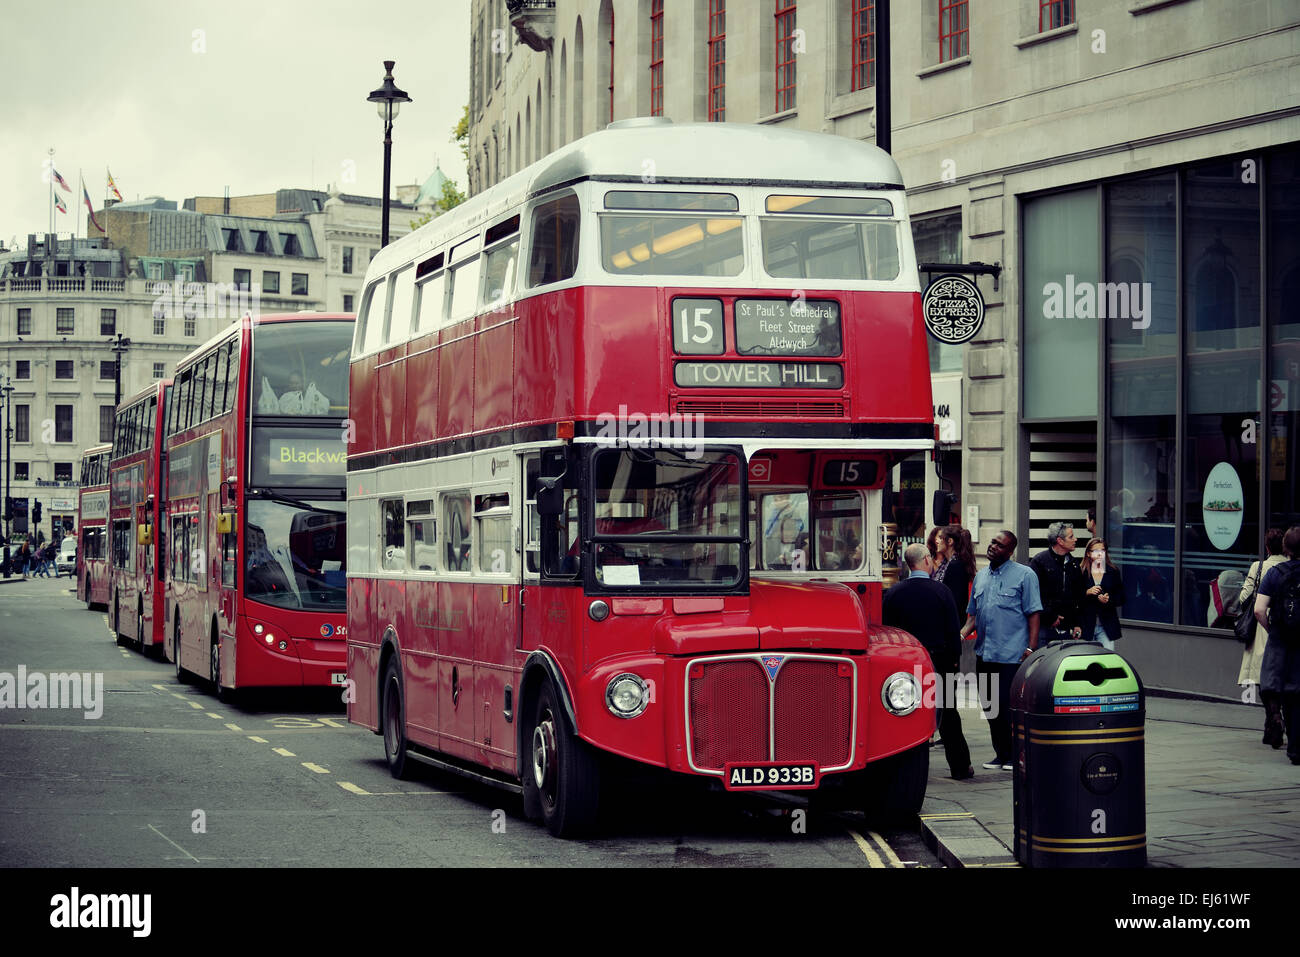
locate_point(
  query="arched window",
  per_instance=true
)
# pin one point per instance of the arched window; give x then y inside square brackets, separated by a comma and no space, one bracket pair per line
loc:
[537,133]
[579,122]
[526,144]
[562,129]
[605,60]
[656,57]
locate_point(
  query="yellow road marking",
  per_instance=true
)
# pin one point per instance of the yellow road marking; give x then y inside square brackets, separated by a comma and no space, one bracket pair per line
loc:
[894,860]
[349,786]
[196,706]
[872,857]
[315,767]
[285,751]
[331,722]
[211,715]
[253,737]
[233,727]
[161,687]
[181,696]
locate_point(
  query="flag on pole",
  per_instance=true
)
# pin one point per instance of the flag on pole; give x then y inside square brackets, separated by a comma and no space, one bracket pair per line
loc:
[60,180]
[112,187]
[90,206]
[59,204]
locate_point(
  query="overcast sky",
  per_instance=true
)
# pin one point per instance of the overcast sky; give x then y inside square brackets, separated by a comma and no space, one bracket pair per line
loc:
[271,94]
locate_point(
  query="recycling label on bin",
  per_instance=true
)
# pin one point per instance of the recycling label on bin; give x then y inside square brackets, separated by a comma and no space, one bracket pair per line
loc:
[1097,704]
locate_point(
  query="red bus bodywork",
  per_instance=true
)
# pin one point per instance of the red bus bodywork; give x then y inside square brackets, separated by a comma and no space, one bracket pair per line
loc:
[780,671]
[92,514]
[135,508]
[234,615]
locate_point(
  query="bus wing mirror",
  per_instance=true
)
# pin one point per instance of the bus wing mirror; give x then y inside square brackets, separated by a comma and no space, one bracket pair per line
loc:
[144,534]
[550,495]
[226,523]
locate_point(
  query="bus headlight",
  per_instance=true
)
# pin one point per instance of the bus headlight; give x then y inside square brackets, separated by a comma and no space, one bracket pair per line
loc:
[626,695]
[901,693]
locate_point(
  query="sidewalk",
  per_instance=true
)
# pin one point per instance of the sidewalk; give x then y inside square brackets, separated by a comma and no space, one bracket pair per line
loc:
[1216,796]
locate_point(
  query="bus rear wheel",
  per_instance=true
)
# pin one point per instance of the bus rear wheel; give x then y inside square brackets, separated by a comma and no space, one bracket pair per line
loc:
[182,676]
[117,621]
[222,693]
[394,712]
[894,788]
[562,775]
[89,603]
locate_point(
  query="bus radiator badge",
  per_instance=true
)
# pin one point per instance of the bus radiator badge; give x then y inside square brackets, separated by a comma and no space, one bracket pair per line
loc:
[773,664]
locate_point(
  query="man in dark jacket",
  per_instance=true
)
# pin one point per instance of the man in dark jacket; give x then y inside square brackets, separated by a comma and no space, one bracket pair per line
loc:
[925,609]
[1060,583]
[1280,671]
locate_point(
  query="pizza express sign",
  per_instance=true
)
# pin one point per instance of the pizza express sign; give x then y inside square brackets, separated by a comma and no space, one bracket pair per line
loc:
[953,309]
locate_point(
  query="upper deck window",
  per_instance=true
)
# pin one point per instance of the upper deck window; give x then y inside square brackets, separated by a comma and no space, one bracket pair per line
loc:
[553,254]
[797,246]
[657,199]
[671,245]
[301,368]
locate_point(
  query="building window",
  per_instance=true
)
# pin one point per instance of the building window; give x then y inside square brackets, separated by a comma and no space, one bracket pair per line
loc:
[65,322]
[159,370]
[23,369]
[63,423]
[261,241]
[785,76]
[159,326]
[63,368]
[22,472]
[190,329]
[299,281]
[717,60]
[63,471]
[347,260]
[24,322]
[1054,13]
[292,247]
[244,278]
[107,322]
[953,30]
[107,369]
[656,58]
[106,423]
[938,240]
[154,270]
[864,44]
[22,423]
[271,282]
[347,302]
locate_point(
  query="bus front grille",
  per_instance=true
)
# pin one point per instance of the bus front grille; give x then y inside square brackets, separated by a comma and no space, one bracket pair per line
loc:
[737,714]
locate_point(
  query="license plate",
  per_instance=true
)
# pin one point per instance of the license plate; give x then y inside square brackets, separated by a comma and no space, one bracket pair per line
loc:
[338,677]
[770,777]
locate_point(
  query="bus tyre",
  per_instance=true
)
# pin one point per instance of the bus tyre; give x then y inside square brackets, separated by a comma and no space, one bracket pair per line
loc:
[89,603]
[117,621]
[182,676]
[146,650]
[561,776]
[394,715]
[222,693]
[894,787]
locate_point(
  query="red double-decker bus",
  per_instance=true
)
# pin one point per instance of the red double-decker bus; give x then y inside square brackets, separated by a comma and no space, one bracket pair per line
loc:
[92,513]
[256,546]
[622,443]
[135,508]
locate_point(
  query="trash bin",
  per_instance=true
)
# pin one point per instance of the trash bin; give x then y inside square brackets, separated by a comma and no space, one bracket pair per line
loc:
[1078,714]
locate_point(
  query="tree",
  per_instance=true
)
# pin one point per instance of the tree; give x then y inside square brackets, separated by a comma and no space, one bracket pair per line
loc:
[460,133]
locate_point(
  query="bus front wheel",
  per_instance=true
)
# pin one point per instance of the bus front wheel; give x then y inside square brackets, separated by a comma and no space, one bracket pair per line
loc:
[894,787]
[222,693]
[120,638]
[562,776]
[394,713]
[182,676]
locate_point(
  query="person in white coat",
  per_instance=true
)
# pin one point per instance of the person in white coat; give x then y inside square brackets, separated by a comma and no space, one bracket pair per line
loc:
[1253,655]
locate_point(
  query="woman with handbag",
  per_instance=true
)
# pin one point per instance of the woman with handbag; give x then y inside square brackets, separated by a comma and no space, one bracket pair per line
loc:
[1256,638]
[1103,596]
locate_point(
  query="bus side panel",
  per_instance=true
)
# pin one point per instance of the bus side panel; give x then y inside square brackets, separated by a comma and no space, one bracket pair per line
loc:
[884,352]
[422,390]
[496,623]
[362,404]
[545,353]
[363,654]
[390,416]
[420,661]
[620,333]
[496,734]
[456,709]
[494,353]
[456,380]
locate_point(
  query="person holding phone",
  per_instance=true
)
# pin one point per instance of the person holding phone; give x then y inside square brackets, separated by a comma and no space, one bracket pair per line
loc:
[1103,595]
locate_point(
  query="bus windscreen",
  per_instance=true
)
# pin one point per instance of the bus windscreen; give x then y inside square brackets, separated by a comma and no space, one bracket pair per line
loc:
[301,368]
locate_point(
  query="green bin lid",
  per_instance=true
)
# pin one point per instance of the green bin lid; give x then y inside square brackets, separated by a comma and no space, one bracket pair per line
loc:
[1094,675]
[1079,675]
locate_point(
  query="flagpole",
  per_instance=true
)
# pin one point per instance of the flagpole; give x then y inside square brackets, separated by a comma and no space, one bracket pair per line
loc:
[47,245]
[81,181]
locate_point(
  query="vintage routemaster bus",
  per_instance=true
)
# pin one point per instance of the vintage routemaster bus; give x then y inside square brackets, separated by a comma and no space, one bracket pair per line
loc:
[622,440]
[135,508]
[256,543]
[92,513]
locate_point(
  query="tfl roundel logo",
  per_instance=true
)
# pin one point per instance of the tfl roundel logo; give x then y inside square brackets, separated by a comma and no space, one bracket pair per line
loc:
[327,631]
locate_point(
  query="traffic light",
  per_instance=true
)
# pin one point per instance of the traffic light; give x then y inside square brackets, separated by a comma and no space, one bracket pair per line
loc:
[36,513]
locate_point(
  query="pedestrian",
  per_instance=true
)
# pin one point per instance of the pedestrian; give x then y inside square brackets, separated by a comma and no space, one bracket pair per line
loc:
[52,552]
[1092,522]
[1005,607]
[957,568]
[24,559]
[1059,582]
[1102,597]
[925,609]
[1252,655]
[1277,608]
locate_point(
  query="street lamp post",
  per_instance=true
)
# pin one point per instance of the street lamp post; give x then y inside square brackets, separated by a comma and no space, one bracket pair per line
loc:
[6,390]
[389,100]
[120,346]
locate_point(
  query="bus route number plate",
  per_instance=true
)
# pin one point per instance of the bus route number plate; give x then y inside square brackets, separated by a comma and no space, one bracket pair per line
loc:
[790,776]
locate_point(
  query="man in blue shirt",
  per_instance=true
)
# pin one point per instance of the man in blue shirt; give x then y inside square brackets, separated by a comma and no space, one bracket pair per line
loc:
[1004,607]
